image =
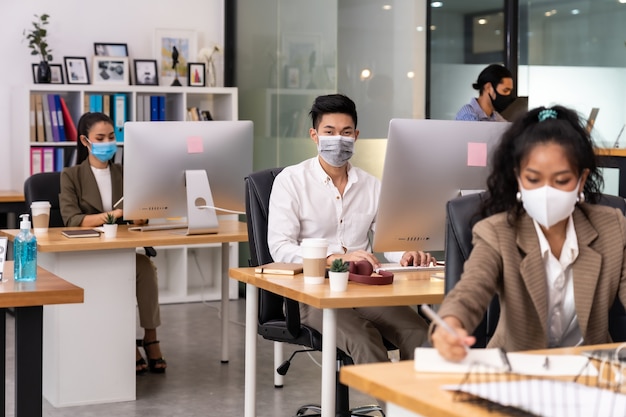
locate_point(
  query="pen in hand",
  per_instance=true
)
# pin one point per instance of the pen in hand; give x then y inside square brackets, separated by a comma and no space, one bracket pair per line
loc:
[118,202]
[437,319]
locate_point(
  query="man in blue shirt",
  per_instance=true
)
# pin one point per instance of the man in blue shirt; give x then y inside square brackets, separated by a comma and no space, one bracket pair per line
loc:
[495,88]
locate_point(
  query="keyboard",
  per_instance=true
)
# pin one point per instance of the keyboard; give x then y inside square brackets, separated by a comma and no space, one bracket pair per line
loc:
[164,226]
[394,267]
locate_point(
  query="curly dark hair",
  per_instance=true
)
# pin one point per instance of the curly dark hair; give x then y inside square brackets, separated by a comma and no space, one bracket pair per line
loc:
[564,128]
[85,123]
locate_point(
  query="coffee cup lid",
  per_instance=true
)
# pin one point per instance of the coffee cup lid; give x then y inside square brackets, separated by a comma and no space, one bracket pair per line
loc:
[315,242]
[40,204]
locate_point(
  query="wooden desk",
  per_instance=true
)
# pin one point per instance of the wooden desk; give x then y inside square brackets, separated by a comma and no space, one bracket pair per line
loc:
[27,299]
[409,394]
[407,289]
[89,352]
[12,202]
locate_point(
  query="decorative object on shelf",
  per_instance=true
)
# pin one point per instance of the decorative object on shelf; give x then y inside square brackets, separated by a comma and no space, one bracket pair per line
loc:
[110,226]
[174,49]
[146,72]
[302,51]
[110,49]
[56,74]
[39,46]
[76,70]
[110,70]
[196,76]
[206,55]
[292,75]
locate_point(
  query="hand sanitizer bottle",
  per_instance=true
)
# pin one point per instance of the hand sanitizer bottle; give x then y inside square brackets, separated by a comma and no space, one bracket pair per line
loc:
[25,253]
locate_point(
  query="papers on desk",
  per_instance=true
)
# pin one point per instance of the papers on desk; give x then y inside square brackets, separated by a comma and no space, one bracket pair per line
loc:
[429,360]
[548,397]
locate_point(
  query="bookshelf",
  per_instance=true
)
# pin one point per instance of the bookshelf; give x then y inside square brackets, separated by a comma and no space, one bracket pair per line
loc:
[185,273]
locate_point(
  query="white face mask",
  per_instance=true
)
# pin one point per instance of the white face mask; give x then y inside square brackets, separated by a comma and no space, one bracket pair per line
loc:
[335,150]
[548,205]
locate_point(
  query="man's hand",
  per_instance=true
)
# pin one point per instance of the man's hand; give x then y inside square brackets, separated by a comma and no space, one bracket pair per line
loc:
[413,258]
[359,255]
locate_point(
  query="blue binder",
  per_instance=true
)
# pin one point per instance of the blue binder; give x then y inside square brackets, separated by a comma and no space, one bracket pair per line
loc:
[119,110]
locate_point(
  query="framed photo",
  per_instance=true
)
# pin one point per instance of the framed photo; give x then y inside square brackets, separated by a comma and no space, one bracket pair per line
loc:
[293,77]
[146,72]
[76,70]
[196,74]
[110,70]
[302,50]
[174,48]
[110,49]
[55,69]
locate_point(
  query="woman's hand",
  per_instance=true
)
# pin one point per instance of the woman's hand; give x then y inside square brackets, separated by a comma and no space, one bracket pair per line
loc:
[413,258]
[452,347]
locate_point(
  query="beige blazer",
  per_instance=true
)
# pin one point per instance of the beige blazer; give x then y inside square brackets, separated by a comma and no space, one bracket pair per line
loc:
[506,260]
[80,194]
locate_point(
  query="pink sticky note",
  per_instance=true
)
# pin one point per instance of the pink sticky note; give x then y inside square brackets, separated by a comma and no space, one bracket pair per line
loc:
[194,144]
[476,154]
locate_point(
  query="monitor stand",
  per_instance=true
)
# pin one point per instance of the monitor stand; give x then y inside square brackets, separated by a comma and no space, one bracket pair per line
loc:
[201,216]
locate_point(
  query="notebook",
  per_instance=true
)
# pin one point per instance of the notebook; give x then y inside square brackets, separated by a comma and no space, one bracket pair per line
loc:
[80,233]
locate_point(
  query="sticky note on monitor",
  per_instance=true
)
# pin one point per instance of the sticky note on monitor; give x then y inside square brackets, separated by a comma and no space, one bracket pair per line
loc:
[476,154]
[194,144]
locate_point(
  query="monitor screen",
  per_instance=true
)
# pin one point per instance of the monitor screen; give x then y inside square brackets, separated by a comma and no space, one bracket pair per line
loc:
[427,163]
[165,161]
[515,110]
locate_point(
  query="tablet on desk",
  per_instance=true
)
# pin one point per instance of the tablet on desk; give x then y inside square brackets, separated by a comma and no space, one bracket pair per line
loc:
[80,233]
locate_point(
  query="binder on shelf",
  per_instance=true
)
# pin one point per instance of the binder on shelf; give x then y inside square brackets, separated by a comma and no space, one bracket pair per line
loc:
[87,103]
[46,118]
[161,107]
[36,160]
[154,108]
[146,108]
[139,113]
[48,159]
[106,104]
[95,103]
[32,119]
[53,117]
[70,128]
[41,134]
[59,159]
[60,123]
[119,115]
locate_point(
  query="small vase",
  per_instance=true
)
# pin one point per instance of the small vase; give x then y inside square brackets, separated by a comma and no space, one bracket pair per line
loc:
[44,74]
[110,231]
[338,281]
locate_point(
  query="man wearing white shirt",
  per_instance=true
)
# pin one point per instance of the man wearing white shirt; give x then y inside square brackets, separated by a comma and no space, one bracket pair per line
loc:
[326,197]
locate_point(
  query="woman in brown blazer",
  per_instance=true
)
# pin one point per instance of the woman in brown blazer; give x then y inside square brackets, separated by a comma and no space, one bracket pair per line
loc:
[555,259]
[89,191]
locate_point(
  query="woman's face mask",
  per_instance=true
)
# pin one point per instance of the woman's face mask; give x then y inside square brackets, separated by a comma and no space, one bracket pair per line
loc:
[103,151]
[335,150]
[548,205]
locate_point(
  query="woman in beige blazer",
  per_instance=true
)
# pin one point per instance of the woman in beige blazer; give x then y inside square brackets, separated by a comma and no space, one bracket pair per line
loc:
[89,191]
[555,260]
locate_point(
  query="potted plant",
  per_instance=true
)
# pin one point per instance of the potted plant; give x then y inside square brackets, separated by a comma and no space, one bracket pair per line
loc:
[39,46]
[110,225]
[338,275]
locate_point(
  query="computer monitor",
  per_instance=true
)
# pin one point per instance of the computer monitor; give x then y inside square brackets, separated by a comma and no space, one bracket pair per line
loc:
[427,163]
[183,169]
[515,110]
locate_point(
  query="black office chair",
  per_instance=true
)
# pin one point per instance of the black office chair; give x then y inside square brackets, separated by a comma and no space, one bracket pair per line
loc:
[279,317]
[462,214]
[45,186]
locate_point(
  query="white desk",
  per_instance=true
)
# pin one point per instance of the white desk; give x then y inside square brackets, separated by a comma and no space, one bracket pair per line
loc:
[89,349]
[408,289]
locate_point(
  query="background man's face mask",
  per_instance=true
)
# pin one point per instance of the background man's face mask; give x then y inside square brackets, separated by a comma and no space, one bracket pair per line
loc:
[335,150]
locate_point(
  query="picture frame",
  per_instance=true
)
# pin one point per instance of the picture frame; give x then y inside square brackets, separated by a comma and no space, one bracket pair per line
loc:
[76,70]
[185,42]
[110,70]
[56,71]
[196,74]
[302,50]
[146,72]
[110,49]
[292,77]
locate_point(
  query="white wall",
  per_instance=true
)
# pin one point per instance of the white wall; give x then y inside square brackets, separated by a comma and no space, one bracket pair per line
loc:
[75,25]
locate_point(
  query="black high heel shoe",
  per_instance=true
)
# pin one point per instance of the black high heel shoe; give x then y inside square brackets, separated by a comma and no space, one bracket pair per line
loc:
[153,364]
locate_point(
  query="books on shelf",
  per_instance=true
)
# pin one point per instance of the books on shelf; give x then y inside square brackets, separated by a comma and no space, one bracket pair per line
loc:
[41,134]
[119,115]
[70,128]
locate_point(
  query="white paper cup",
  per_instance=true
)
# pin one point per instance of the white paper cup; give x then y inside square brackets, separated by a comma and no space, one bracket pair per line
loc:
[338,281]
[41,216]
[314,260]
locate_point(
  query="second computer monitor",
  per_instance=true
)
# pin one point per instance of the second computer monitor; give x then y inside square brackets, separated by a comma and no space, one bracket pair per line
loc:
[427,163]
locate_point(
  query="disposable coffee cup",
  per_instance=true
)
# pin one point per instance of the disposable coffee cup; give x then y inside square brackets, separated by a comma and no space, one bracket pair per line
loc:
[314,260]
[41,216]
